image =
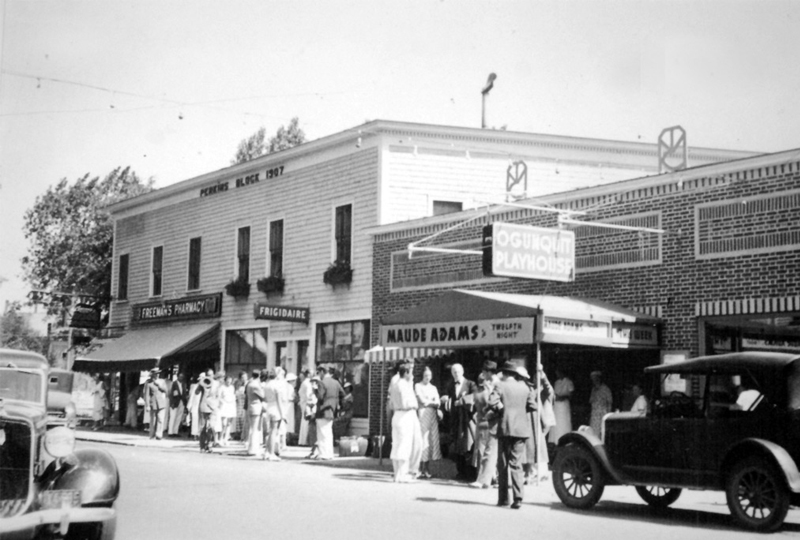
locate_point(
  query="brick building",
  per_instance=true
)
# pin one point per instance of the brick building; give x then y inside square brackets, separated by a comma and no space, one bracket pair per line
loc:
[723,276]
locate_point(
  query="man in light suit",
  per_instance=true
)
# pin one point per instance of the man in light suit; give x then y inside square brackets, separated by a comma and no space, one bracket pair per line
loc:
[514,399]
[155,399]
[253,399]
[458,403]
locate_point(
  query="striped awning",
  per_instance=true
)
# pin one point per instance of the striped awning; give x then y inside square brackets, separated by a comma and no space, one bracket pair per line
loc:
[393,354]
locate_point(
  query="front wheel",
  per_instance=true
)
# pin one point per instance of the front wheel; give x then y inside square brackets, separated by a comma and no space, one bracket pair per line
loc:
[757,495]
[577,477]
[657,496]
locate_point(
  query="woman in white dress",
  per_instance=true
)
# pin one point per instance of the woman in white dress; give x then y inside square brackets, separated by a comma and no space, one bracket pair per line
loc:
[194,409]
[227,411]
[563,389]
[428,398]
[305,392]
[406,433]
[99,405]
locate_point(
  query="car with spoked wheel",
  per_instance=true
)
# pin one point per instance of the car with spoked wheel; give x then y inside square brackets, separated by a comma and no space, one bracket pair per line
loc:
[48,488]
[727,422]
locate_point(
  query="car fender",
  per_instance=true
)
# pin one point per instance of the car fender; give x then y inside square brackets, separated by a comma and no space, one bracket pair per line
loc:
[775,452]
[593,444]
[94,472]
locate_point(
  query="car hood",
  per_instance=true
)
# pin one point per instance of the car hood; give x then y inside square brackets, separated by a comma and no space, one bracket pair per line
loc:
[22,410]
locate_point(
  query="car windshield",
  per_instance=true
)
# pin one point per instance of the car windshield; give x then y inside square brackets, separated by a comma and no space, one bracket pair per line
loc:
[21,385]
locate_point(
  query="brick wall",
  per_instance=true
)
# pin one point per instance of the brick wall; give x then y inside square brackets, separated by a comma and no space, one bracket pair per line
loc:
[758,264]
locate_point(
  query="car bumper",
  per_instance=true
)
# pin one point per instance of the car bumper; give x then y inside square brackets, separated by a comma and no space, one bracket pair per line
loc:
[28,525]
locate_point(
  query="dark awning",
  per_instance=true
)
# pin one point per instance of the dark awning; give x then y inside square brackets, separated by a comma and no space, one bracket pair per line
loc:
[143,349]
[461,318]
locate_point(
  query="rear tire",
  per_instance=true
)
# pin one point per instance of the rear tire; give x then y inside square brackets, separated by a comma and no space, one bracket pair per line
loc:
[657,496]
[758,497]
[578,477]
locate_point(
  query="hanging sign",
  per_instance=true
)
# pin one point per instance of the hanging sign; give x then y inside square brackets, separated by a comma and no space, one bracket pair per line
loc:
[490,332]
[85,316]
[523,251]
[576,328]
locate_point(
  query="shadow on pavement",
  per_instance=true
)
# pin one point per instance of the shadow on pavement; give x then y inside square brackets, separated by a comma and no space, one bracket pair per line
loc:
[453,501]
[667,516]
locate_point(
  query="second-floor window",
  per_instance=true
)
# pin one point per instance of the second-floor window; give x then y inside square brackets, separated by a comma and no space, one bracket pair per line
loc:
[155,276]
[243,254]
[194,264]
[276,248]
[122,285]
[343,232]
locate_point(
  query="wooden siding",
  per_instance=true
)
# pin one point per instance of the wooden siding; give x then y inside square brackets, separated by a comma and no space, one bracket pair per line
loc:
[414,181]
[304,198]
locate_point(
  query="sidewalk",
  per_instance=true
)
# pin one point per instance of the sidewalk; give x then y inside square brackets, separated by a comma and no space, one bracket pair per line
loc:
[116,435]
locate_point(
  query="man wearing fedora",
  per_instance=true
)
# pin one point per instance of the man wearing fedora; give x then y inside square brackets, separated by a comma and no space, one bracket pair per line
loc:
[513,399]
[155,398]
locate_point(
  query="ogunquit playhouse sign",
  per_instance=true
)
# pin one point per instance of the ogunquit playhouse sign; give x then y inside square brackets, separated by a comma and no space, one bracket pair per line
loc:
[515,331]
[523,251]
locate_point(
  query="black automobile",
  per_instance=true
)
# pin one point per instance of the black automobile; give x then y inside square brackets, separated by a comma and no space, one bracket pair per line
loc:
[729,422]
[47,488]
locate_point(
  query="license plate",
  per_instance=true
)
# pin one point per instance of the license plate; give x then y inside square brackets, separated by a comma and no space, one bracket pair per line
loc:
[61,498]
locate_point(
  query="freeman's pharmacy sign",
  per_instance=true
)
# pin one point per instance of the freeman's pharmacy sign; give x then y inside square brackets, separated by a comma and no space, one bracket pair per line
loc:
[522,251]
[197,307]
[515,331]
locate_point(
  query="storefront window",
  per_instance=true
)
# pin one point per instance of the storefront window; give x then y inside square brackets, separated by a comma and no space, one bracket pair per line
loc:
[245,350]
[344,345]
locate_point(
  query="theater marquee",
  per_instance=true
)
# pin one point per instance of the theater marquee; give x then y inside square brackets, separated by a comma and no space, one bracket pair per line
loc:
[494,332]
[523,251]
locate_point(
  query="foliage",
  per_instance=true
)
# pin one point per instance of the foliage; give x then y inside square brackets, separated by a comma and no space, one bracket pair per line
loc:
[255,145]
[338,273]
[71,236]
[16,332]
[238,288]
[271,284]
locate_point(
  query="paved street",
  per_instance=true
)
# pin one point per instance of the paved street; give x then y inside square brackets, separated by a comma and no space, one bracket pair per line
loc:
[176,493]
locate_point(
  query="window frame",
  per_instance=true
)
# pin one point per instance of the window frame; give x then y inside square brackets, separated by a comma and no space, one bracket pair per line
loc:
[238,257]
[442,201]
[336,237]
[156,277]
[123,290]
[189,273]
[270,265]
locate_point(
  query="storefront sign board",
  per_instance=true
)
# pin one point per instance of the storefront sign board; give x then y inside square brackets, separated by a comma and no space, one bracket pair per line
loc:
[196,307]
[281,313]
[634,335]
[523,251]
[481,333]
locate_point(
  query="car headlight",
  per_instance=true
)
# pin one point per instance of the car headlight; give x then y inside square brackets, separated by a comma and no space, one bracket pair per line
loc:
[59,442]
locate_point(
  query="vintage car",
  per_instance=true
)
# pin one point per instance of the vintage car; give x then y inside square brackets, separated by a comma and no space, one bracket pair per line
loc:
[729,422]
[48,489]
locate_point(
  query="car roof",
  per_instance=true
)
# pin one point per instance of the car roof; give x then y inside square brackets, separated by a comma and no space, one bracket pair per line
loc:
[22,359]
[729,363]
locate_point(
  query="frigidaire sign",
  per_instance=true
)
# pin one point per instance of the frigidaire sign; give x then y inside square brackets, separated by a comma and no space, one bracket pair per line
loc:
[196,307]
[281,313]
[523,251]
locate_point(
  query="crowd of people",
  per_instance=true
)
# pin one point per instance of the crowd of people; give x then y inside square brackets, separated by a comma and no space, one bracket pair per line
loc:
[491,423]
[261,409]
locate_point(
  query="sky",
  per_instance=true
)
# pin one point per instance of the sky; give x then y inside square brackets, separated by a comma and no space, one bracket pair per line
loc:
[171,87]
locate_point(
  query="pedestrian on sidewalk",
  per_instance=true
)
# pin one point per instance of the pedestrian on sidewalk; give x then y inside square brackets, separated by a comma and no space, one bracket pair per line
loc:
[227,397]
[428,399]
[194,408]
[485,454]
[178,398]
[329,396]
[100,402]
[273,414]
[514,399]
[155,398]
[406,432]
[254,397]
[304,395]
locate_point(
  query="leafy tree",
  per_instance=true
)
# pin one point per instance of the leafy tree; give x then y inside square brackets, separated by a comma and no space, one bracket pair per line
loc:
[254,146]
[16,332]
[71,236]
